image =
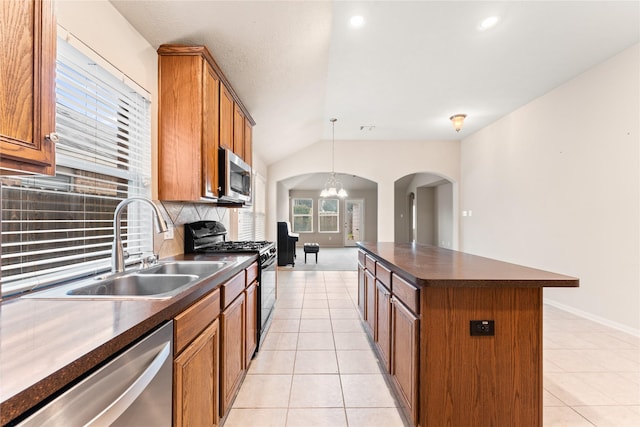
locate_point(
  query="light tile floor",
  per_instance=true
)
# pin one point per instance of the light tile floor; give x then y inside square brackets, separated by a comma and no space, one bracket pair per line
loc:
[316,366]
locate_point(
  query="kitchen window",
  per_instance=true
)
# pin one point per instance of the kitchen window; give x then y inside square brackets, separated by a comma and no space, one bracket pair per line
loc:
[61,227]
[302,211]
[328,210]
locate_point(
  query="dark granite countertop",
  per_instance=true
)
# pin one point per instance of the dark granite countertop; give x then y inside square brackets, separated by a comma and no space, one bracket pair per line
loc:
[47,344]
[431,266]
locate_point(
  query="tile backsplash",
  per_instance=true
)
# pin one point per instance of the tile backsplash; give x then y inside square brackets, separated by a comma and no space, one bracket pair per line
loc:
[181,213]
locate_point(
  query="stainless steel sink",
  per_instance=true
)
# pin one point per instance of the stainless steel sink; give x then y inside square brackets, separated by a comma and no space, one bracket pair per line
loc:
[161,281]
[136,285]
[201,269]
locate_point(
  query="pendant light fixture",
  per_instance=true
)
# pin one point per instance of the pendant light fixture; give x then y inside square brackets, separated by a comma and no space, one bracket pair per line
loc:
[331,187]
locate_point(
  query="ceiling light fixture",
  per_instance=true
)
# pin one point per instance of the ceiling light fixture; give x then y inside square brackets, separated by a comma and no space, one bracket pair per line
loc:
[488,23]
[458,121]
[357,21]
[331,187]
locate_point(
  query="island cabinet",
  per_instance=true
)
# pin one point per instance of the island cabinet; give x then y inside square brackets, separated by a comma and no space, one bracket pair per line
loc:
[195,118]
[27,79]
[196,363]
[464,344]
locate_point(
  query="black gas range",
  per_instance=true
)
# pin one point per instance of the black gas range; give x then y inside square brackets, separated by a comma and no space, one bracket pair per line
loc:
[209,237]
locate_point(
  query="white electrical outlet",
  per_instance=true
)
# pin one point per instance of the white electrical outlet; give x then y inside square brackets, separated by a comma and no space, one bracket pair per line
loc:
[168,235]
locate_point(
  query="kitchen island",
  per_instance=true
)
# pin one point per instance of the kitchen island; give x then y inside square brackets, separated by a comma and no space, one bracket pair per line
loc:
[459,335]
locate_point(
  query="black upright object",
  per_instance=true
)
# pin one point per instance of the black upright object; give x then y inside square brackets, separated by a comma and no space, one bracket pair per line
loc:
[286,244]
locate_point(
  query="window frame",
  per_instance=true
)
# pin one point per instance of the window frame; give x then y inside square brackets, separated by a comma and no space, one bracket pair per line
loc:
[327,214]
[294,215]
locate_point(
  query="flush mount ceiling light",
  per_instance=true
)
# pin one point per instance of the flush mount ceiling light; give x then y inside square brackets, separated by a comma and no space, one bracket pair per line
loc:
[458,121]
[357,21]
[488,23]
[331,187]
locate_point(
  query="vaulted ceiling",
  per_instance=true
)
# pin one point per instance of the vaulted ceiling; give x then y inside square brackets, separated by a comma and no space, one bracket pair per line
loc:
[296,64]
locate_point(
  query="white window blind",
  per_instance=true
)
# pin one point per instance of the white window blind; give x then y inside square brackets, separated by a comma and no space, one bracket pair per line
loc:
[245,223]
[56,228]
[260,206]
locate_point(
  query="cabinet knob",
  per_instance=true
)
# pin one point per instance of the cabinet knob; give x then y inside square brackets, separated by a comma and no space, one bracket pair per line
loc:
[53,137]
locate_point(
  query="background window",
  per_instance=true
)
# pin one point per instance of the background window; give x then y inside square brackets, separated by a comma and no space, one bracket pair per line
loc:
[328,215]
[302,215]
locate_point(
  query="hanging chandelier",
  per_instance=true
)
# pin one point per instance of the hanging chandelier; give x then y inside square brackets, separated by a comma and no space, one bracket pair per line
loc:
[332,185]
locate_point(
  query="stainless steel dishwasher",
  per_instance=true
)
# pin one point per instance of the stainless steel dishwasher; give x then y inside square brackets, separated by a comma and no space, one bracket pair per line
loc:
[134,389]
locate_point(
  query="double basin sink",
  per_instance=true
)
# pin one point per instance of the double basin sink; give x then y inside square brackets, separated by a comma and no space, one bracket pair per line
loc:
[161,281]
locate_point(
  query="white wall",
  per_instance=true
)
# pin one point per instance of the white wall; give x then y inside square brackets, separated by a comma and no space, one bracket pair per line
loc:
[380,161]
[555,185]
[101,27]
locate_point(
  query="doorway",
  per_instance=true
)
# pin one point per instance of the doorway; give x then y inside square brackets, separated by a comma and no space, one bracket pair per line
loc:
[353,221]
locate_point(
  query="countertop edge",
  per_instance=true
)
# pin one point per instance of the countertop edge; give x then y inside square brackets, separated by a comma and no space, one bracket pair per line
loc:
[413,275]
[40,391]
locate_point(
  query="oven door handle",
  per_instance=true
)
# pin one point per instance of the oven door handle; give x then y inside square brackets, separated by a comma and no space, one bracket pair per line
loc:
[268,263]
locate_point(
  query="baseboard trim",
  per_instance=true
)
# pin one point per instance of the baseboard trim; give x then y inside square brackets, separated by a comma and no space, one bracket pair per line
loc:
[592,317]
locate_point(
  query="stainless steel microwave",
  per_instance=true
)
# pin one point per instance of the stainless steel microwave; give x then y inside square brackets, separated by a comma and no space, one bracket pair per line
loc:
[234,178]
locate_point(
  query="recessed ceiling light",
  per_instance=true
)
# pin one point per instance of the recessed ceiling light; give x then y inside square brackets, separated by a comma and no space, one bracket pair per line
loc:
[488,23]
[357,21]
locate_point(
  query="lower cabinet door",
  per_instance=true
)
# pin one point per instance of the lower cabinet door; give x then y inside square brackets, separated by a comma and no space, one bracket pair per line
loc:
[195,379]
[361,291]
[404,356]
[232,355]
[370,304]
[383,322]
[251,339]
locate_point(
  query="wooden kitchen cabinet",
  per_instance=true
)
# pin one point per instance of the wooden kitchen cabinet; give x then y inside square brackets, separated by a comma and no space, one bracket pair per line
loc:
[27,79]
[383,323]
[238,131]
[196,373]
[233,351]
[187,128]
[248,142]
[226,118]
[195,118]
[361,291]
[251,330]
[196,381]
[404,356]
[370,302]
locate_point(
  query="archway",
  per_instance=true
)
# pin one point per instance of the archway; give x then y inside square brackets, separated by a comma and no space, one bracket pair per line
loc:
[424,210]
[321,226]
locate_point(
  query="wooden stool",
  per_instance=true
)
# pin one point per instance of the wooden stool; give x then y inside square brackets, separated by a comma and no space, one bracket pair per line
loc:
[311,248]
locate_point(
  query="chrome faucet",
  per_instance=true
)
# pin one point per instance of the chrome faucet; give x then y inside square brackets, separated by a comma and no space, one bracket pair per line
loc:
[117,252]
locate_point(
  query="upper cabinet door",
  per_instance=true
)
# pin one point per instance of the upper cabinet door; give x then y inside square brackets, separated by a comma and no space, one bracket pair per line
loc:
[210,125]
[27,87]
[238,131]
[248,149]
[226,118]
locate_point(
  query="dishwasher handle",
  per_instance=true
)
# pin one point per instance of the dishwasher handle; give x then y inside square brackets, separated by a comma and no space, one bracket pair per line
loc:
[116,408]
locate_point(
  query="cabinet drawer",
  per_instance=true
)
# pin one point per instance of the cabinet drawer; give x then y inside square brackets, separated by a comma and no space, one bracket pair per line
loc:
[192,321]
[252,273]
[370,263]
[233,288]
[407,293]
[383,274]
[361,257]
